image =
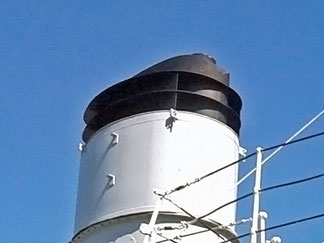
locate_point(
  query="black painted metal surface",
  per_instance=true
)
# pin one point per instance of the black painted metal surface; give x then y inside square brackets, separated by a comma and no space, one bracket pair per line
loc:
[191,83]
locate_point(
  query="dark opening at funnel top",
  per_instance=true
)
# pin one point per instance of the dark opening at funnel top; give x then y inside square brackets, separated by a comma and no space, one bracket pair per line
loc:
[191,83]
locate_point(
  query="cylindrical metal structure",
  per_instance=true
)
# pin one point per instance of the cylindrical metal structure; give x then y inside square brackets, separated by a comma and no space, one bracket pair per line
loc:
[165,126]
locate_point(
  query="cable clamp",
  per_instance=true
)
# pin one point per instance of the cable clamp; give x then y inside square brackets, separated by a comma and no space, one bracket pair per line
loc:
[160,192]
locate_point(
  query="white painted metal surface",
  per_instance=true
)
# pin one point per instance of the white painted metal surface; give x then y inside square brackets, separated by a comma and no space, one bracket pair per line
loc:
[127,229]
[140,153]
[263,216]
[256,199]
[275,239]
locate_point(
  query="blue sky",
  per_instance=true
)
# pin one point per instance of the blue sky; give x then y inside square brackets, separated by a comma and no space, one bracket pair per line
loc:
[57,55]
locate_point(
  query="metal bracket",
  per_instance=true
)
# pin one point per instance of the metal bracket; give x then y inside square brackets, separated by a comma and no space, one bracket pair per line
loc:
[145,229]
[81,147]
[115,138]
[242,151]
[172,119]
[173,114]
[112,179]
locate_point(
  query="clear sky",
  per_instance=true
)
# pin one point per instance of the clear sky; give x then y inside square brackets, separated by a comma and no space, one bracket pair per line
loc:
[57,55]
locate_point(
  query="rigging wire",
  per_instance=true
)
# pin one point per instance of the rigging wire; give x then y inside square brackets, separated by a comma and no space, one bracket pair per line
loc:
[166,238]
[192,216]
[181,187]
[292,183]
[258,231]
[279,148]
[242,221]
[263,190]
[294,141]
[226,204]
[195,219]
[292,222]
[278,226]
[199,219]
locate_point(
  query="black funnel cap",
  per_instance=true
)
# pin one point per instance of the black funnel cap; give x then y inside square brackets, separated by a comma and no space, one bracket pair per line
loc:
[191,83]
[197,63]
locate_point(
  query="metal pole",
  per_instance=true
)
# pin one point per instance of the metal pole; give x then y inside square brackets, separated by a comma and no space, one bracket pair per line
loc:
[256,200]
[263,216]
[149,229]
